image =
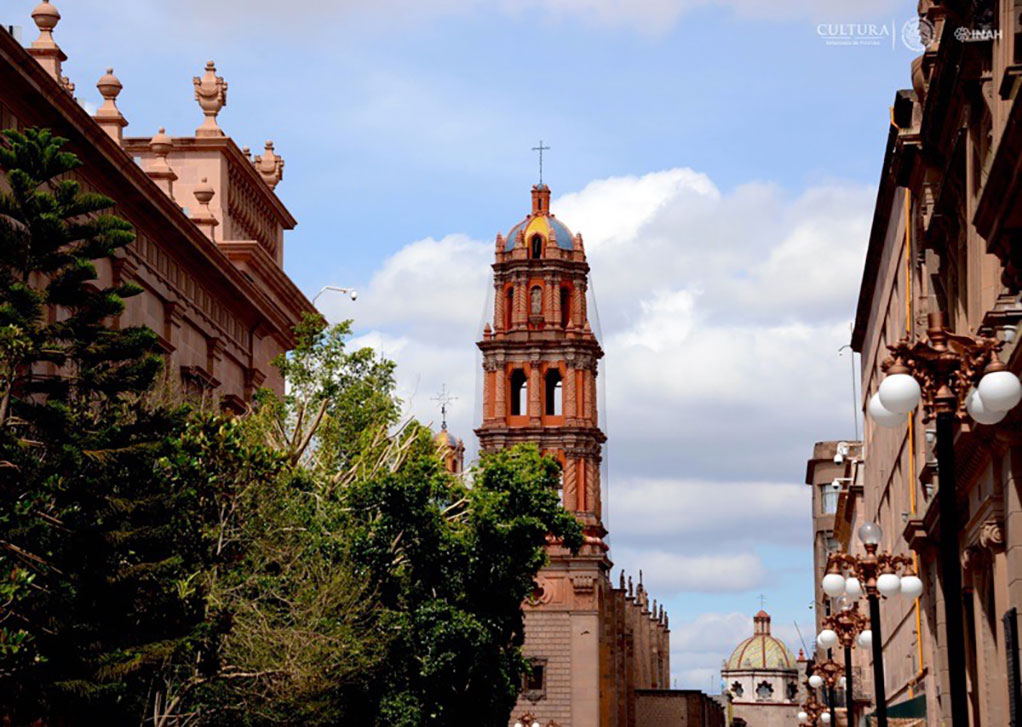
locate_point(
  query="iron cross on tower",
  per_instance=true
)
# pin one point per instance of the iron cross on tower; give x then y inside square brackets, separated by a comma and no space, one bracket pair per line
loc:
[443,398]
[541,149]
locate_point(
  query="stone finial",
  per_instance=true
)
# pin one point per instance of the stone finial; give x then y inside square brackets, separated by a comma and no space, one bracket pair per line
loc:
[631,590]
[621,581]
[270,166]
[203,216]
[45,48]
[108,116]
[211,93]
[500,243]
[159,170]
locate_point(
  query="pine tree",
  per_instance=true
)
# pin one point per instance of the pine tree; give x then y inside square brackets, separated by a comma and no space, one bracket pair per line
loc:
[99,544]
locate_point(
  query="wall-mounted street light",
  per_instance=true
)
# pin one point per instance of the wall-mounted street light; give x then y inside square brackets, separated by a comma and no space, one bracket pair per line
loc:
[954,377]
[876,574]
[333,288]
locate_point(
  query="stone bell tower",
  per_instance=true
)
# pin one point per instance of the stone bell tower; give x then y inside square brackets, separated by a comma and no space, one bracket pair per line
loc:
[540,362]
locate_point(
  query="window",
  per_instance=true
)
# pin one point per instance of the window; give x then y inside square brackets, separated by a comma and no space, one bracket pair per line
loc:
[519,391]
[554,393]
[509,308]
[736,689]
[831,492]
[537,247]
[565,307]
[792,691]
[534,680]
[764,691]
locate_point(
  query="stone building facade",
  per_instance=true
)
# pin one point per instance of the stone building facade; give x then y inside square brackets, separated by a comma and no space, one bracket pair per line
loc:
[209,228]
[947,237]
[592,645]
[762,679]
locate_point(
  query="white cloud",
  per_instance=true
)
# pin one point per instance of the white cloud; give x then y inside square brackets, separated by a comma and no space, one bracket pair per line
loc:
[669,573]
[652,17]
[684,513]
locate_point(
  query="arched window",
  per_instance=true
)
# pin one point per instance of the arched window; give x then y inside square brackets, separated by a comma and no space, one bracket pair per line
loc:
[565,307]
[537,247]
[519,392]
[509,308]
[536,301]
[554,393]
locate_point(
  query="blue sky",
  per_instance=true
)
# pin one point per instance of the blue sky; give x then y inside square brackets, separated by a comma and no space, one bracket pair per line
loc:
[718,156]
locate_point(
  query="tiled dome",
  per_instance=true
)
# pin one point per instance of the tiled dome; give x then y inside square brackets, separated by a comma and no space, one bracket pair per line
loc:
[543,223]
[761,650]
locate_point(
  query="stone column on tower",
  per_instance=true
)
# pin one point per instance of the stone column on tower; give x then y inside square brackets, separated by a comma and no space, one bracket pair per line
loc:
[534,386]
[498,307]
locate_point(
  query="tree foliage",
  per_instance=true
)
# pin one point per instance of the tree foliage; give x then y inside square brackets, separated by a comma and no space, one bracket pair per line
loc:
[97,542]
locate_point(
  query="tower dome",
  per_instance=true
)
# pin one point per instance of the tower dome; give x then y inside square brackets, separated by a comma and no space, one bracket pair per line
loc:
[541,222]
[761,650]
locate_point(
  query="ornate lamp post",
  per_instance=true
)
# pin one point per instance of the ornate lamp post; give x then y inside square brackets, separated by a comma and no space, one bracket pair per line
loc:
[845,626]
[955,377]
[527,720]
[813,712]
[829,673]
[877,575]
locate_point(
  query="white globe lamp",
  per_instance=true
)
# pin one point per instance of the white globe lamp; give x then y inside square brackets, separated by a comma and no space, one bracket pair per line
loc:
[827,638]
[978,409]
[911,586]
[1000,389]
[833,584]
[883,417]
[825,718]
[803,717]
[865,639]
[870,534]
[816,681]
[854,590]
[889,584]
[899,393]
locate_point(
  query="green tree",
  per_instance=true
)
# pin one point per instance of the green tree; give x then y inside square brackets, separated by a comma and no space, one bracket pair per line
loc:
[97,541]
[369,583]
[453,564]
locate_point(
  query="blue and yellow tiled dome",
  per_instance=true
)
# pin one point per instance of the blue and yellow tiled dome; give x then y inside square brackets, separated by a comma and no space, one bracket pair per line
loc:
[541,222]
[761,650]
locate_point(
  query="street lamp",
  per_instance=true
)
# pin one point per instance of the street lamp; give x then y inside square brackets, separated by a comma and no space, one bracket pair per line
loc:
[527,720]
[846,626]
[350,291]
[878,575]
[954,377]
[813,713]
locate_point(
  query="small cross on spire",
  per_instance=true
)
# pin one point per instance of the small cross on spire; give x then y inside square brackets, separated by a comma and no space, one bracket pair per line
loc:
[762,602]
[540,149]
[443,399]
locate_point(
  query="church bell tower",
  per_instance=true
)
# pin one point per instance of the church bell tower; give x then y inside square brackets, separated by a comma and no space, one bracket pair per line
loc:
[540,361]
